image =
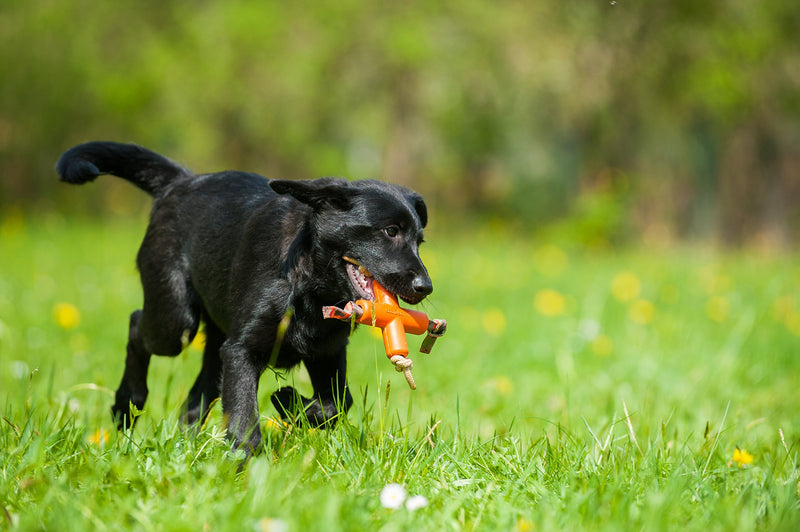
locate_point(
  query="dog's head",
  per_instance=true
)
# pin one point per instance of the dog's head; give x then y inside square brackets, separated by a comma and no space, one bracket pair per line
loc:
[365,230]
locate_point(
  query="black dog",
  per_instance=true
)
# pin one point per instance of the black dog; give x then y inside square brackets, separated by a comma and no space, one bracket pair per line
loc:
[244,254]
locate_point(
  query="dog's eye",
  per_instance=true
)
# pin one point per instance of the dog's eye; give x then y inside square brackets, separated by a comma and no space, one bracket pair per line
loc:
[391,231]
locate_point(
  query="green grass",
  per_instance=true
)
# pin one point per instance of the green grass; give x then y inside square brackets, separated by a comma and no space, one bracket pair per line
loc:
[554,402]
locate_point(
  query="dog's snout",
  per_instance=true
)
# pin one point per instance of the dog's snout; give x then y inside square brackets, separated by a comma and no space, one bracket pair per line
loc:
[422,285]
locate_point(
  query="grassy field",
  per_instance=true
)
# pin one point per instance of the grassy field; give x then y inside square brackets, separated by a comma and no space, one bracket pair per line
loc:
[574,390]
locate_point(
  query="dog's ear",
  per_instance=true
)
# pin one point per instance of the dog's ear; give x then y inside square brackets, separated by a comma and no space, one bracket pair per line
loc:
[420,207]
[316,193]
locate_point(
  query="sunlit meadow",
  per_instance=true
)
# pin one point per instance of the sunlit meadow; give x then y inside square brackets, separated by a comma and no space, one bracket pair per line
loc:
[606,389]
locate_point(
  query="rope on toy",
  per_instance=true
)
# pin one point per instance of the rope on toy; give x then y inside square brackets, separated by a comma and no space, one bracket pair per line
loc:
[404,365]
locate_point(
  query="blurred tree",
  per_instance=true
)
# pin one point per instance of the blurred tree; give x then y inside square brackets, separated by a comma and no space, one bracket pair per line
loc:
[510,109]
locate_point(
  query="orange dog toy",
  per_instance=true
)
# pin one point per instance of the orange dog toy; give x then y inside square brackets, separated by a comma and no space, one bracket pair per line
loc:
[394,321]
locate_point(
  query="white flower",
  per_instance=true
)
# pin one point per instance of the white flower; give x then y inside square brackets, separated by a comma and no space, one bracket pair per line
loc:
[416,502]
[588,329]
[19,369]
[392,496]
[271,524]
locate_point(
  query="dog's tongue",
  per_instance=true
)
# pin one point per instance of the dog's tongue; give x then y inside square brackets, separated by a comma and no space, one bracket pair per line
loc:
[361,280]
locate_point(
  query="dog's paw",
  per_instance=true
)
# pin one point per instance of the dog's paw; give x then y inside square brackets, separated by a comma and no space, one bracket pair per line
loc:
[300,410]
[285,402]
[125,416]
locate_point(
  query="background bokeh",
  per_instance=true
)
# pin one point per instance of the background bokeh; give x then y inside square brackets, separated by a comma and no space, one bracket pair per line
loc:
[614,199]
[603,121]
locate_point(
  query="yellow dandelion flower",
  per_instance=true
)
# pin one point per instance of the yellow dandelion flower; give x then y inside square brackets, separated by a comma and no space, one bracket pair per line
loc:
[502,384]
[741,457]
[793,322]
[276,424]
[714,281]
[782,307]
[494,321]
[199,341]
[718,308]
[642,312]
[523,525]
[99,438]
[602,345]
[67,315]
[548,302]
[625,287]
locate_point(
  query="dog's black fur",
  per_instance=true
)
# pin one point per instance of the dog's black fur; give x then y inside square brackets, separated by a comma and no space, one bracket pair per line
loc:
[242,253]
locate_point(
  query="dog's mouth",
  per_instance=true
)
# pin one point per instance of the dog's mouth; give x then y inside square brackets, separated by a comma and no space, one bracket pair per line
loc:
[360,278]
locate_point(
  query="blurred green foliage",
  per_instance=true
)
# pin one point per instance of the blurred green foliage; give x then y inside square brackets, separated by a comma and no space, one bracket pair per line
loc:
[518,110]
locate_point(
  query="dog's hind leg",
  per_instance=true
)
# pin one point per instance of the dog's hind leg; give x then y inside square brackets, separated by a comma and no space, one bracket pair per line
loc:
[133,388]
[331,393]
[165,325]
[206,388]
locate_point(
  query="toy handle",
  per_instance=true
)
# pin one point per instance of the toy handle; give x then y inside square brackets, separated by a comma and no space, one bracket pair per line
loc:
[394,338]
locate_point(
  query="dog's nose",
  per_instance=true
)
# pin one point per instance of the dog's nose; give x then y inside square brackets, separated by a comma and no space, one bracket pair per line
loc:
[422,285]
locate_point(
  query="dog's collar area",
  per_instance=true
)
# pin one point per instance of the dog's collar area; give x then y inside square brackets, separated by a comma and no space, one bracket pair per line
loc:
[360,278]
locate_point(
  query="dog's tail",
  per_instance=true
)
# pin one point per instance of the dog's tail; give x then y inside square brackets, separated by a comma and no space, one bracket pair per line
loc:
[147,170]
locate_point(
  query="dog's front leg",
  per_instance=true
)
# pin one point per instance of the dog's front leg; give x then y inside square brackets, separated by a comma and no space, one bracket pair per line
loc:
[240,374]
[331,395]
[206,388]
